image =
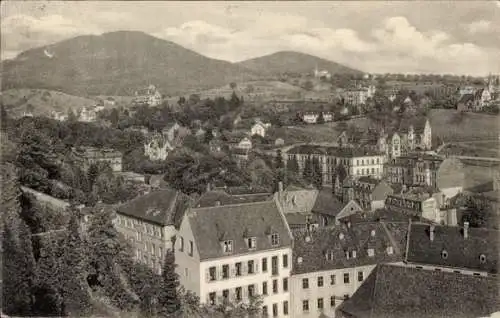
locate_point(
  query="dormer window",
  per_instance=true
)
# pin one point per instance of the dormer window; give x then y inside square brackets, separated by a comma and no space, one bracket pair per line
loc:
[390,250]
[251,243]
[482,258]
[299,260]
[227,246]
[275,239]
[372,233]
[353,253]
[371,252]
[444,254]
[329,255]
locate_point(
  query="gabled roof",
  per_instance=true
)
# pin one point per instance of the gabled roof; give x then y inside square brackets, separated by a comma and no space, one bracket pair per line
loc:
[393,291]
[461,252]
[211,224]
[418,123]
[300,200]
[327,203]
[163,207]
[311,248]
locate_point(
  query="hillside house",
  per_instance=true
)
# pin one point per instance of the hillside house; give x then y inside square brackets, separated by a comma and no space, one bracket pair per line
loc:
[259,128]
[157,147]
[87,114]
[86,156]
[149,96]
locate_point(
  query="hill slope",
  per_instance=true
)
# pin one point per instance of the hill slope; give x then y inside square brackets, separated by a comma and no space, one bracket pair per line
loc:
[293,62]
[117,63]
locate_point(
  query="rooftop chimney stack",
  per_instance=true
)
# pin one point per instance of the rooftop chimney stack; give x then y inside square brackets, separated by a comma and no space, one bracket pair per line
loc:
[431,232]
[466,230]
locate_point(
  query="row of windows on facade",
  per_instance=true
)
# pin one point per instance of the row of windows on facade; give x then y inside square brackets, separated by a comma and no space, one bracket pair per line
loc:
[251,290]
[362,171]
[404,203]
[140,226]
[275,313]
[372,161]
[320,282]
[337,161]
[228,245]
[249,267]
[320,302]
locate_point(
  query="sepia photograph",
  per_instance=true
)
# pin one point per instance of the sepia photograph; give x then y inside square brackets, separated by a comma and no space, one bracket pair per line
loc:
[250,159]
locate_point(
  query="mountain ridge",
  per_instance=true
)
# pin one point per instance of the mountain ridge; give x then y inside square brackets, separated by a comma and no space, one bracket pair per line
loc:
[120,62]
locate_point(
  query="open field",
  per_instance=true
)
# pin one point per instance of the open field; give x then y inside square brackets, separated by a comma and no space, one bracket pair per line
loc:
[478,176]
[490,149]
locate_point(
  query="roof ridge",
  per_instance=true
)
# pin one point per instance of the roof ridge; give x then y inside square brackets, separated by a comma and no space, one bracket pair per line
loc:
[232,205]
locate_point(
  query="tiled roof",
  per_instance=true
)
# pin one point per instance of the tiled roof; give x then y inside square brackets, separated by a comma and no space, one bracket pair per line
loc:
[418,123]
[327,203]
[466,98]
[163,207]
[332,151]
[392,291]
[212,198]
[296,218]
[461,252]
[301,200]
[212,225]
[313,247]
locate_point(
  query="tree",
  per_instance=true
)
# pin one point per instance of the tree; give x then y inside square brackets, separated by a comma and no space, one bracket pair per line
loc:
[234,102]
[74,266]
[317,174]
[293,165]
[18,269]
[181,101]
[232,85]
[114,116]
[308,85]
[308,173]
[169,298]
[194,99]
[321,119]
[72,118]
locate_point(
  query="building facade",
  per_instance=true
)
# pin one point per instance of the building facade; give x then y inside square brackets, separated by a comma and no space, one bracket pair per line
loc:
[87,156]
[148,97]
[236,251]
[157,147]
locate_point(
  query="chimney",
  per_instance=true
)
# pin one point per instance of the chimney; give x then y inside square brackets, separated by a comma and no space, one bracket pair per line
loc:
[466,230]
[280,187]
[431,232]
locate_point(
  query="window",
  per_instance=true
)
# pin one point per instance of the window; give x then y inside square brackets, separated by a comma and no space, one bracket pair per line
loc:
[211,298]
[181,244]
[329,255]
[285,284]
[274,265]
[444,254]
[332,279]
[320,281]
[285,260]
[228,246]
[251,290]
[225,295]
[238,268]
[305,283]
[252,243]
[371,252]
[285,308]
[275,310]
[225,271]
[160,252]
[212,271]
[305,305]
[346,278]
[275,239]
[482,258]
[190,248]
[360,276]
[275,286]
[346,296]
[389,250]
[250,267]
[265,312]
[264,265]
[238,293]
[153,249]
[264,288]
[332,301]
[320,303]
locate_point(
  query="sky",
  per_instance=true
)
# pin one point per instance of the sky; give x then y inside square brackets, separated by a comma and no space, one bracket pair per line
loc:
[453,37]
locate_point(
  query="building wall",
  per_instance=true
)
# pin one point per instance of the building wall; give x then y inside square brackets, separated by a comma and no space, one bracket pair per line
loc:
[243,281]
[149,241]
[338,290]
[188,264]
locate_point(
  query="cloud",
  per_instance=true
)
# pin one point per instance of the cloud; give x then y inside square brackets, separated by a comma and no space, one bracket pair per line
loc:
[479,26]
[21,32]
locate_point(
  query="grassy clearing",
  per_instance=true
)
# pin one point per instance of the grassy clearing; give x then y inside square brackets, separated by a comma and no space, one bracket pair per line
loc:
[476,175]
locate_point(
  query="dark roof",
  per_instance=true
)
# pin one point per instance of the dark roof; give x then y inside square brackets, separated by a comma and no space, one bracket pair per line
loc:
[313,246]
[163,207]
[212,225]
[466,98]
[418,123]
[327,203]
[396,291]
[332,151]
[461,252]
[212,198]
[297,218]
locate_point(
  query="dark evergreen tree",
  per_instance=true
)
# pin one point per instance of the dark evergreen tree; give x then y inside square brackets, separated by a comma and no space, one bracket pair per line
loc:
[169,299]
[292,165]
[209,136]
[278,160]
[92,174]
[234,102]
[18,270]
[308,172]
[74,286]
[317,174]
[321,118]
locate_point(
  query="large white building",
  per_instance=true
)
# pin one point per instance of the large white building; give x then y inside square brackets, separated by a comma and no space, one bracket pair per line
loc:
[235,251]
[330,264]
